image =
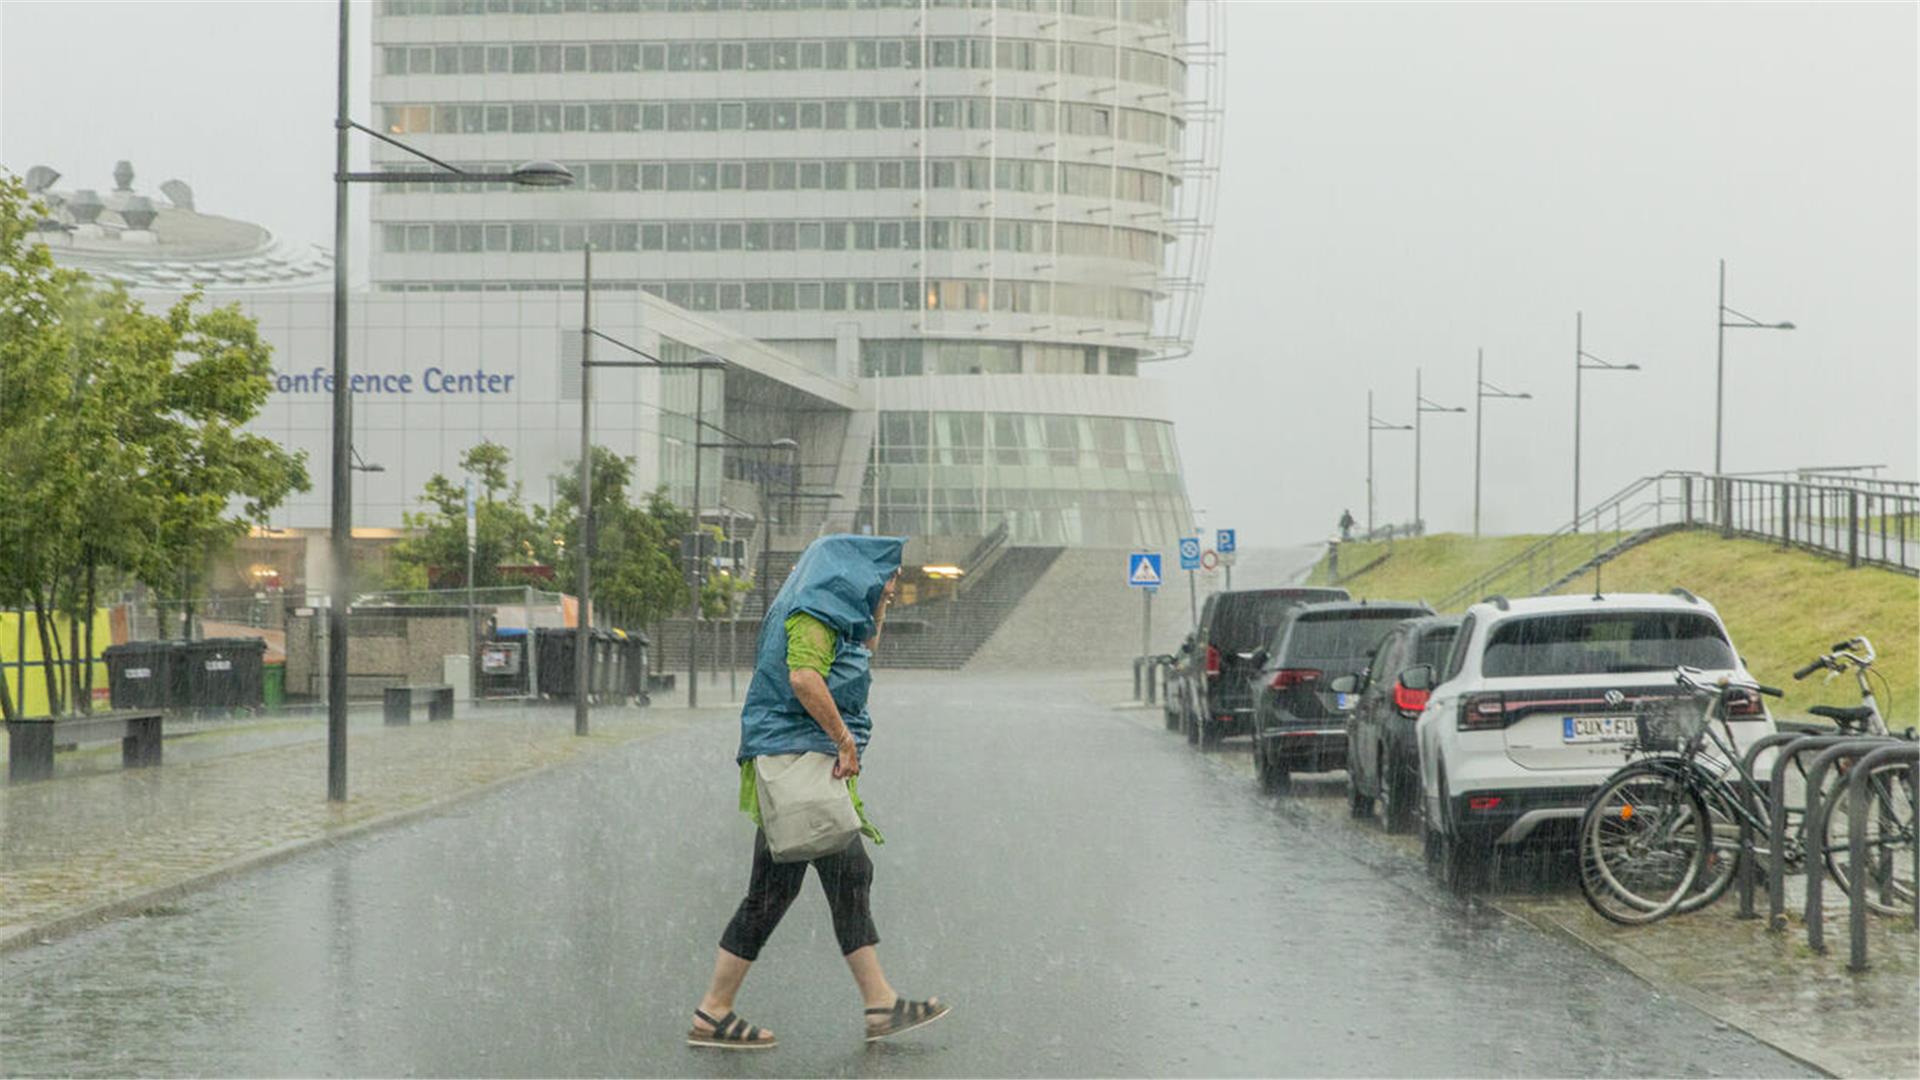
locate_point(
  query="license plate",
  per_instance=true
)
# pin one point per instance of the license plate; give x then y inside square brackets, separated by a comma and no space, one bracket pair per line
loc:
[1586,729]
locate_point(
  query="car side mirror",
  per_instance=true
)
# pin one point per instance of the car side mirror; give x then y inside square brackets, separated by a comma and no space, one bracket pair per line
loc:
[1258,657]
[1418,677]
[1345,684]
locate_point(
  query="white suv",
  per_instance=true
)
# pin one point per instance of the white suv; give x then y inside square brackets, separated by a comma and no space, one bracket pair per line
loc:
[1535,706]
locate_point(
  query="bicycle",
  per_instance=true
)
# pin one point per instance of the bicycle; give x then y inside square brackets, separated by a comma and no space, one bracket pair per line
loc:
[1648,844]
[1890,827]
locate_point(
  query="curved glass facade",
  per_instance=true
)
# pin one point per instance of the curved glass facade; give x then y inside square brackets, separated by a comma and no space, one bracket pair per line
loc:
[893,190]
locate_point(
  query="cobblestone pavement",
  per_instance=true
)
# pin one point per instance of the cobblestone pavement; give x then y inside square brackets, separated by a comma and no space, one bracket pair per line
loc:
[97,838]
[1770,985]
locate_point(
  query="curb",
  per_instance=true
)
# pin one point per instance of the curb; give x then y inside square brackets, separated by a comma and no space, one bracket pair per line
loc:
[67,925]
[1806,1054]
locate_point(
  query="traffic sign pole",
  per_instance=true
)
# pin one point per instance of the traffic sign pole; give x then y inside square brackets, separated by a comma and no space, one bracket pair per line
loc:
[1227,544]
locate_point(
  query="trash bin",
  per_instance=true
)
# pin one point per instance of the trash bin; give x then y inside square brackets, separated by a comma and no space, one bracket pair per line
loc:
[634,667]
[224,673]
[146,674]
[273,684]
[556,660]
[503,668]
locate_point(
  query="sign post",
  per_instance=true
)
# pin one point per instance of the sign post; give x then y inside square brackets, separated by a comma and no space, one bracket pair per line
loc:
[473,631]
[1190,561]
[1226,544]
[1143,573]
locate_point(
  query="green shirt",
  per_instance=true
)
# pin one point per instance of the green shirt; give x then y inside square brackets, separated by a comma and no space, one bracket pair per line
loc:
[811,645]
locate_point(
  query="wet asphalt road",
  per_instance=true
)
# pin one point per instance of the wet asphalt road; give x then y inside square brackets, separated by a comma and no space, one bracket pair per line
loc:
[1093,896]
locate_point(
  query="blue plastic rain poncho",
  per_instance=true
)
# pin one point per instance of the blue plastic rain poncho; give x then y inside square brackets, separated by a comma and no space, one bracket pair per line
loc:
[838,580]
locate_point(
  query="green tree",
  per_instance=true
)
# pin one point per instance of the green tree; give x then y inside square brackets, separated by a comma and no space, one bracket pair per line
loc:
[506,532]
[637,573]
[123,433]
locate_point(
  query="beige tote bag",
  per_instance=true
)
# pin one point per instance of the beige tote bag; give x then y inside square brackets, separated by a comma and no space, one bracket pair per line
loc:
[804,810]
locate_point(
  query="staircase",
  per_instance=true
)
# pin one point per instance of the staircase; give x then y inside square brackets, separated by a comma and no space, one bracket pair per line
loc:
[944,634]
[1620,547]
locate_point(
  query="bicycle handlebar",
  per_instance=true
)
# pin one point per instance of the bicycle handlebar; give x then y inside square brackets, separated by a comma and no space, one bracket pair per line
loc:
[1840,646]
[1770,691]
[1810,669]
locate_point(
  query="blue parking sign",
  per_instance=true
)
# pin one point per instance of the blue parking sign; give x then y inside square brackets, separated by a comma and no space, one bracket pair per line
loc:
[1189,553]
[1223,541]
[1143,570]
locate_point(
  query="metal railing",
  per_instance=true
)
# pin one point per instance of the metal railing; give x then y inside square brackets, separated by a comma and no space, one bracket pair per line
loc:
[1874,523]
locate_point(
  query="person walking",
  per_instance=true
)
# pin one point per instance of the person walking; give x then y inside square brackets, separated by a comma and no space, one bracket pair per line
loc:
[809,695]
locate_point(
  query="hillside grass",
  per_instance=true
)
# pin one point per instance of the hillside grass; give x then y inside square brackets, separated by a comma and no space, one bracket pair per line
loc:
[1429,567]
[1782,608]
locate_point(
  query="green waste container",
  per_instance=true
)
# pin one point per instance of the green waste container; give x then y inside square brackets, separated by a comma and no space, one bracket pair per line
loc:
[273,684]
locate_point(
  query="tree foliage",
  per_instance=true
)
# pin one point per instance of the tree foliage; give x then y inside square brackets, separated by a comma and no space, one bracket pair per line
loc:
[506,532]
[123,435]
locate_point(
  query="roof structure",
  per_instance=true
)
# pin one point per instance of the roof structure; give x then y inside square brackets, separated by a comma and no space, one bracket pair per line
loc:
[162,241]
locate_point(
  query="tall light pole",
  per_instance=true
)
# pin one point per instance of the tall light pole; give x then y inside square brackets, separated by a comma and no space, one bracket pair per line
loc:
[1421,406]
[340,530]
[1374,424]
[1584,361]
[1482,391]
[1742,322]
[583,630]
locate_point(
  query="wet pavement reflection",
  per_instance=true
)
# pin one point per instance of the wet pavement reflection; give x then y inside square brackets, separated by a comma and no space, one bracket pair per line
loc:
[1095,899]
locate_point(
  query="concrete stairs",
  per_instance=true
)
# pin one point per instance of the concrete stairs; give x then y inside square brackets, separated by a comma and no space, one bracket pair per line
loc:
[945,634]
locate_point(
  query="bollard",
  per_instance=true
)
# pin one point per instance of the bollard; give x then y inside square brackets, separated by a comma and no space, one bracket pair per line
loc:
[1136,677]
[1153,680]
[1856,839]
[1749,870]
[1816,828]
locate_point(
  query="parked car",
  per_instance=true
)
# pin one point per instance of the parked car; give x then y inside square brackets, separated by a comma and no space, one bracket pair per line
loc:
[1299,720]
[1172,693]
[1382,757]
[1233,625]
[1533,708]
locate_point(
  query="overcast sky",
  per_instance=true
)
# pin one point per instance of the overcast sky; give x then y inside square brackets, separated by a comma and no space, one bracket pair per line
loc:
[1402,185]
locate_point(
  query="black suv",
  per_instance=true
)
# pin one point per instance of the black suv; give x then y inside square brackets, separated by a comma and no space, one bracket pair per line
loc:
[1299,720]
[1383,758]
[1213,673]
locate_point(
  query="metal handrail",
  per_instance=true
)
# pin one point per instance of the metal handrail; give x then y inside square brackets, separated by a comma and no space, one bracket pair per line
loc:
[1856,841]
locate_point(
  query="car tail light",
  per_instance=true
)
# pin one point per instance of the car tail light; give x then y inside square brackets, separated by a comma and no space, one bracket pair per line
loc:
[1482,712]
[1484,802]
[1213,661]
[1744,705]
[1286,678]
[1409,702]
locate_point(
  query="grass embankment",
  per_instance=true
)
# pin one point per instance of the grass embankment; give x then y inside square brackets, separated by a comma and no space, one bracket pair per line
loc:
[1782,607]
[1430,567]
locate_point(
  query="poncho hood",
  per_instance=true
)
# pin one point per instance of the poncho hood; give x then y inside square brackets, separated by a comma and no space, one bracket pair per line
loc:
[838,580]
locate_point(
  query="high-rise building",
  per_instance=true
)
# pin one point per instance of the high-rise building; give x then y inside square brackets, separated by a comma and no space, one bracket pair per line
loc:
[986,215]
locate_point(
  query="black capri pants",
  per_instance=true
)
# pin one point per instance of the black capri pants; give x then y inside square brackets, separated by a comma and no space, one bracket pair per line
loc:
[847,878]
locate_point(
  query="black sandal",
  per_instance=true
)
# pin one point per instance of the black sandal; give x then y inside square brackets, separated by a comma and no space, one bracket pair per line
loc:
[904,1015]
[729,1033]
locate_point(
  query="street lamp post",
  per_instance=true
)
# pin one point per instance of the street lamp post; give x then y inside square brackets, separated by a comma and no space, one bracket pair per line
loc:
[1744,322]
[583,640]
[1374,424]
[1482,391]
[340,531]
[1421,406]
[1584,361]
[766,542]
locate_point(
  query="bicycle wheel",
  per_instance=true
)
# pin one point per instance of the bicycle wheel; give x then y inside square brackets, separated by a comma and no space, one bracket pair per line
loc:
[1889,838]
[1643,840]
[1723,856]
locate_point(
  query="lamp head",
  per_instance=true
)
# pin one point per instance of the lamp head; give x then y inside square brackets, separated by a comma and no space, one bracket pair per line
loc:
[785,444]
[1783,326]
[544,174]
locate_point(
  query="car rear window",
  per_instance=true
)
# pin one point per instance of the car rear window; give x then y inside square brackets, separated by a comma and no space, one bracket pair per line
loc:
[1433,647]
[1244,621]
[1605,642]
[1342,635]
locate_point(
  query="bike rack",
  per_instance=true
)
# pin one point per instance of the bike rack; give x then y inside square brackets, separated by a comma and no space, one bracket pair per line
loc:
[1749,870]
[1856,841]
[1817,814]
[1777,818]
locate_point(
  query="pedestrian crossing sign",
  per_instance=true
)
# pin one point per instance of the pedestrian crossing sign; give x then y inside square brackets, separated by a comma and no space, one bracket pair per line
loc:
[1143,570]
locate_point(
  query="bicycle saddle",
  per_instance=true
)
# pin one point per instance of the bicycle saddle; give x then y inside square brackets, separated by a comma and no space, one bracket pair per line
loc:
[1853,716]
